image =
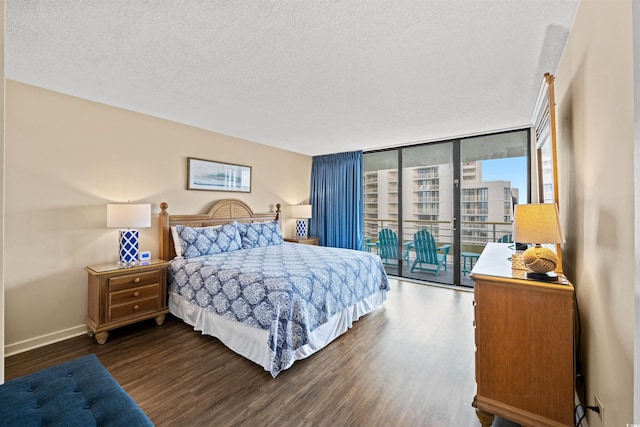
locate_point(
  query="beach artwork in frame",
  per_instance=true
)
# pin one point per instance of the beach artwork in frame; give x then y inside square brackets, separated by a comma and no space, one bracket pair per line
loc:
[217,176]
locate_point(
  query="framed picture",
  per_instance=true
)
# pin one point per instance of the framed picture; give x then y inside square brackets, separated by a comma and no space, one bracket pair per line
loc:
[217,176]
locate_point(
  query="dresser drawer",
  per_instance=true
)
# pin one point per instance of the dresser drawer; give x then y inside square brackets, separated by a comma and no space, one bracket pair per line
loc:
[117,283]
[134,294]
[133,308]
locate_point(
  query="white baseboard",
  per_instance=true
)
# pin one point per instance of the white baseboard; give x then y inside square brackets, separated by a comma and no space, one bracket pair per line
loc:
[41,341]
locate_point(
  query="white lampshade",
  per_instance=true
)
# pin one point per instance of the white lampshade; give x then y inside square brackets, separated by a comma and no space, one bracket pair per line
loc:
[301,211]
[128,215]
[537,223]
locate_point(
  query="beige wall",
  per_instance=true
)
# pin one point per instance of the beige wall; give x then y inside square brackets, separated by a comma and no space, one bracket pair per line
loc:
[65,159]
[636,103]
[2,97]
[594,98]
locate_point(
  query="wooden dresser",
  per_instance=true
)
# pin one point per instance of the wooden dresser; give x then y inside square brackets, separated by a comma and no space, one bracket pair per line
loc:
[121,296]
[524,338]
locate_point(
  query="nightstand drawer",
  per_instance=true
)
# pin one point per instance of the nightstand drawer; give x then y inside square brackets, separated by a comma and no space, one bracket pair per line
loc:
[133,308]
[134,294]
[117,283]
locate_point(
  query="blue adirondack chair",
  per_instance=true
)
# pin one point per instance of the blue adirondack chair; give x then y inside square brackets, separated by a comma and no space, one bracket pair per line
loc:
[428,257]
[507,238]
[388,246]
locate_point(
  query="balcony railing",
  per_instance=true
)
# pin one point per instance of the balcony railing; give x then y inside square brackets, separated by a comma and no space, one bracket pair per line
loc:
[473,233]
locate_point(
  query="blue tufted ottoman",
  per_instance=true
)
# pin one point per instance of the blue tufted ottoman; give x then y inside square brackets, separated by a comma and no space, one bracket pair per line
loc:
[76,393]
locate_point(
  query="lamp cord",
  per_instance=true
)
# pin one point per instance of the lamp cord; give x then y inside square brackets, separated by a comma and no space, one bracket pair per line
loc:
[580,383]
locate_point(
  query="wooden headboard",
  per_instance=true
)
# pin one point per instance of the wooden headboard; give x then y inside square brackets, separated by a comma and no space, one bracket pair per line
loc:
[222,212]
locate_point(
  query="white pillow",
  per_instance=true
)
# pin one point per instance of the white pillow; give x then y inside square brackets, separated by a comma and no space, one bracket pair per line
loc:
[176,242]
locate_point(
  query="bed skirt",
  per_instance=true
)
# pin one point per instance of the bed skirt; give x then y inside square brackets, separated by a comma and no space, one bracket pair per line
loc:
[253,343]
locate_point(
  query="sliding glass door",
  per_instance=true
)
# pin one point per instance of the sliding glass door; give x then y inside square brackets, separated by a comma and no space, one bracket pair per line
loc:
[494,171]
[381,207]
[428,212]
[431,208]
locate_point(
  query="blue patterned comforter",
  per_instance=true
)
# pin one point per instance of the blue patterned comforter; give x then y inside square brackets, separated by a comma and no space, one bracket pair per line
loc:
[288,289]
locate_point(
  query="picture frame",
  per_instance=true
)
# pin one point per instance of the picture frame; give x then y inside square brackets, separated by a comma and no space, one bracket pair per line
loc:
[212,175]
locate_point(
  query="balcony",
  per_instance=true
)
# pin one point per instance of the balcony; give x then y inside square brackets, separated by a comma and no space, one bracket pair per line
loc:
[474,237]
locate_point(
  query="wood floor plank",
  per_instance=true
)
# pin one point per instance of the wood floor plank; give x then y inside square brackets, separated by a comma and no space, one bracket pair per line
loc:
[408,363]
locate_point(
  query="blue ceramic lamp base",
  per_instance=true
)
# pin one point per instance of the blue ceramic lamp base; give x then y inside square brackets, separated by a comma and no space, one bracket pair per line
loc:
[128,248]
[301,229]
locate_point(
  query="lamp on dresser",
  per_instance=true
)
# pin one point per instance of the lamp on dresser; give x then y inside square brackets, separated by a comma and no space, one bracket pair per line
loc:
[538,223]
[128,217]
[302,213]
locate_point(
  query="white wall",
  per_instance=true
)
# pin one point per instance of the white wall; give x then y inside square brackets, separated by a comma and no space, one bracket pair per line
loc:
[65,159]
[595,115]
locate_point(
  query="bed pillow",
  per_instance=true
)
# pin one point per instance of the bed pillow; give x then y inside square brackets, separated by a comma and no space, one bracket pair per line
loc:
[258,234]
[176,242]
[200,241]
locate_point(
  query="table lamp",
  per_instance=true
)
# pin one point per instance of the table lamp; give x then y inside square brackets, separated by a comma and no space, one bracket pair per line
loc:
[128,217]
[538,223]
[302,213]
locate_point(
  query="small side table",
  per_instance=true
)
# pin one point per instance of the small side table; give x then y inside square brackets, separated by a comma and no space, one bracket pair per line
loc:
[121,296]
[472,257]
[308,241]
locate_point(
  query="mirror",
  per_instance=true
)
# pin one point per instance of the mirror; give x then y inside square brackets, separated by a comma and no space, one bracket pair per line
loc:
[544,122]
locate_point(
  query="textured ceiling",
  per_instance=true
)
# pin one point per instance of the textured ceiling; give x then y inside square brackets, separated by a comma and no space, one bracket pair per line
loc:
[313,77]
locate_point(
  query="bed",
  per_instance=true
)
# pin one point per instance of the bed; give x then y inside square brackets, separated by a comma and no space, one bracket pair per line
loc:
[233,277]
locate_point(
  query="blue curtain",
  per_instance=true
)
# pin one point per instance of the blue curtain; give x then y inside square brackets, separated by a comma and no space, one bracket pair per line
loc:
[337,216]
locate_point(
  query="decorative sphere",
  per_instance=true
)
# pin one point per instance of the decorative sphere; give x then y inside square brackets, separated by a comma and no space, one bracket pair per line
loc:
[540,260]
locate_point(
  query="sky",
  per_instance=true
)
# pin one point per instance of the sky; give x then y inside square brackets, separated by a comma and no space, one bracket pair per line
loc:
[513,169]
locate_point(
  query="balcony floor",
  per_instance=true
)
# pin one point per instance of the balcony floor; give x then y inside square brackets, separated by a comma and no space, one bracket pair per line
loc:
[444,277]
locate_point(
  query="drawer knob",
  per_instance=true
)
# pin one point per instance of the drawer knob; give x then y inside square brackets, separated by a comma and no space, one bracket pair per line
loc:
[136,294]
[136,280]
[136,307]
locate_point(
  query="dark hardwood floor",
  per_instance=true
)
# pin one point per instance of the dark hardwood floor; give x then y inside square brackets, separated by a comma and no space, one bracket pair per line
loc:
[408,363]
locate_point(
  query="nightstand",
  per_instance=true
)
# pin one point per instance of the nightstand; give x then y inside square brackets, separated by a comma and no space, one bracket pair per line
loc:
[308,241]
[121,296]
